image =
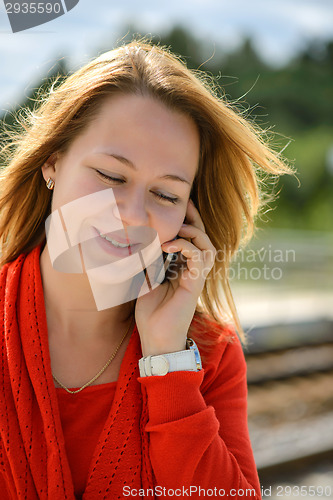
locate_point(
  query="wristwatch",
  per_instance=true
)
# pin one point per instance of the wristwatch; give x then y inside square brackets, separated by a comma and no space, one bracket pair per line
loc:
[161,364]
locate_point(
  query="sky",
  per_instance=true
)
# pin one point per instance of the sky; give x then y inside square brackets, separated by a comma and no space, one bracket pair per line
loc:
[279,29]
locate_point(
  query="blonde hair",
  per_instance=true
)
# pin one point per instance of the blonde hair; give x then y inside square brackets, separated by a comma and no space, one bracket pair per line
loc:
[233,155]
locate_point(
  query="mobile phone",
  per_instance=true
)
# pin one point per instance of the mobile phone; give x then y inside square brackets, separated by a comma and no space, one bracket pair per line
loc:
[169,257]
[173,263]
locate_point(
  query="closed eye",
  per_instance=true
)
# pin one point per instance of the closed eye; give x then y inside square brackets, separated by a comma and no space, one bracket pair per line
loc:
[166,198]
[110,178]
[160,196]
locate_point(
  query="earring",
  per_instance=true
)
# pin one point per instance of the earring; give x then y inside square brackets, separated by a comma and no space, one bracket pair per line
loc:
[50,183]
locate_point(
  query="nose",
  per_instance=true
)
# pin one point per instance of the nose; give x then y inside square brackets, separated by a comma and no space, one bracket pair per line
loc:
[131,209]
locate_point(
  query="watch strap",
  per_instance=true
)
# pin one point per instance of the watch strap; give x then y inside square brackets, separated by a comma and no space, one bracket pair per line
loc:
[161,364]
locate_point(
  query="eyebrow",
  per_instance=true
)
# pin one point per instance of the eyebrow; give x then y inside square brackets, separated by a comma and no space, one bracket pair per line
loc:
[128,163]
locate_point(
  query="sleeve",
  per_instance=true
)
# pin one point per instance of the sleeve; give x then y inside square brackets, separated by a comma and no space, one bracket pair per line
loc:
[197,427]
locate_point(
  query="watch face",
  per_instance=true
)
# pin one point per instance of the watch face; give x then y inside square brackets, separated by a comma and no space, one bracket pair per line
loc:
[193,347]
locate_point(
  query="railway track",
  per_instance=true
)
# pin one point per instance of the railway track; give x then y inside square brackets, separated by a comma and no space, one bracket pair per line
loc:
[290,411]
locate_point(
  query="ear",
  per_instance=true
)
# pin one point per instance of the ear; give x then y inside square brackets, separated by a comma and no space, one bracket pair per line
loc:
[49,167]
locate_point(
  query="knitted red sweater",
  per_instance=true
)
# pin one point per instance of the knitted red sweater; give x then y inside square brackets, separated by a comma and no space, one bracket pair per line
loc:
[180,432]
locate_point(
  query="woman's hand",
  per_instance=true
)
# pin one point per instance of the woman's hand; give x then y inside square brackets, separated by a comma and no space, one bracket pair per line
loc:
[163,316]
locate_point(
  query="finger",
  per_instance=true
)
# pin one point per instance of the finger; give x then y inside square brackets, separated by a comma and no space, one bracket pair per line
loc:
[191,252]
[198,263]
[198,237]
[185,247]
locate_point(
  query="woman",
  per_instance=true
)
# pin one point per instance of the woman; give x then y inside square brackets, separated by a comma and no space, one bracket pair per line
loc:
[137,126]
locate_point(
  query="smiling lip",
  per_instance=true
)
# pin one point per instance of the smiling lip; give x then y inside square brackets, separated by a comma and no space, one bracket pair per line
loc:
[116,241]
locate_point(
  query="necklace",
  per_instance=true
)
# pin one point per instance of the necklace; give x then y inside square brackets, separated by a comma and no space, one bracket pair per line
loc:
[100,372]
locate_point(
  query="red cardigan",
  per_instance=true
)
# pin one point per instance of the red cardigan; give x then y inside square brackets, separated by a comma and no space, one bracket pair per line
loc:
[82,419]
[182,431]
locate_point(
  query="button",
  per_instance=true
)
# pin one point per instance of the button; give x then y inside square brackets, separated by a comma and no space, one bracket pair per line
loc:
[160,365]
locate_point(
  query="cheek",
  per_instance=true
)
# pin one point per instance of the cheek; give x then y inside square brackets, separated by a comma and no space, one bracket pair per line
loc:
[71,187]
[167,222]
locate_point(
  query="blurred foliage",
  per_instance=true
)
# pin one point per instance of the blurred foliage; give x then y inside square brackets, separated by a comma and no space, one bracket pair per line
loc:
[295,102]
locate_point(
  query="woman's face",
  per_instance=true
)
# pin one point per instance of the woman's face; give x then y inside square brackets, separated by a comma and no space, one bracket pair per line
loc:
[145,152]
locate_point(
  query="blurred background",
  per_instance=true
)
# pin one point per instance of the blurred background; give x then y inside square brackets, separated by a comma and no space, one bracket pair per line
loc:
[274,61]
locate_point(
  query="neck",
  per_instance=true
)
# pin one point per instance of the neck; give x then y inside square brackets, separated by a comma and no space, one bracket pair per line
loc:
[70,305]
